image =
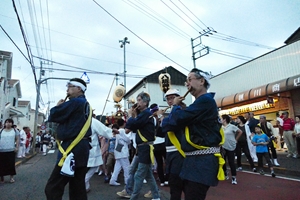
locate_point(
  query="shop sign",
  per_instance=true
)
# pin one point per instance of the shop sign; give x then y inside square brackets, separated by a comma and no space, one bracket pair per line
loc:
[247,108]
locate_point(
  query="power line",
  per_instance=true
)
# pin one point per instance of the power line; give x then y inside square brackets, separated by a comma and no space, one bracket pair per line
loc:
[138,36]
[179,16]
[14,43]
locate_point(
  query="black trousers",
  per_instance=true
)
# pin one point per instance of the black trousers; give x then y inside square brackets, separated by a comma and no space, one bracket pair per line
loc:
[260,157]
[230,159]
[54,189]
[298,144]
[238,151]
[160,156]
[273,150]
[176,186]
[193,190]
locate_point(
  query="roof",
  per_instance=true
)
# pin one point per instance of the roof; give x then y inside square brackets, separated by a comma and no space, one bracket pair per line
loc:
[294,37]
[177,78]
[23,103]
[15,83]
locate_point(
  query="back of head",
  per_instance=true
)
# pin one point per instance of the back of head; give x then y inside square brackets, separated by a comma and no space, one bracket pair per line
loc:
[153,108]
[120,122]
[78,82]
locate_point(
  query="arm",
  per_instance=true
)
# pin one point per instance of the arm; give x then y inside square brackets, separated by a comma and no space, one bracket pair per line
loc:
[238,134]
[101,129]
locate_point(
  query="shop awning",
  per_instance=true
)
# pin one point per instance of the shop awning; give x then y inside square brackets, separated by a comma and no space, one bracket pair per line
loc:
[262,91]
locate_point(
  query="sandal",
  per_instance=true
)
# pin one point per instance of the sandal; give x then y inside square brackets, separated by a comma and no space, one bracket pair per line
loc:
[12,180]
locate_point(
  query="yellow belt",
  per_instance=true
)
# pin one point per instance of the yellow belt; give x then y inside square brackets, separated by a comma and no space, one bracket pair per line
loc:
[150,145]
[76,141]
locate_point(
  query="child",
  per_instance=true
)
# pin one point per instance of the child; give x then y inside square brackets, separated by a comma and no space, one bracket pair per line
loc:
[121,154]
[261,141]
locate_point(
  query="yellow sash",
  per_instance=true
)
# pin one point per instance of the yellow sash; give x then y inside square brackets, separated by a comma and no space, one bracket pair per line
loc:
[151,147]
[221,175]
[174,140]
[76,141]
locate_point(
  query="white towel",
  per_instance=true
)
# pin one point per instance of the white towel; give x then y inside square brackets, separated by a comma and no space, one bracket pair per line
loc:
[68,167]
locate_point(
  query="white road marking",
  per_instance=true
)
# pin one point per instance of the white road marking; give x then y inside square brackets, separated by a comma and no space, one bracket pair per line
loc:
[51,151]
[256,173]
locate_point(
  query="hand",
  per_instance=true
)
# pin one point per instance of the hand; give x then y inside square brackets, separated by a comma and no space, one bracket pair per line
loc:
[60,102]
[177,100]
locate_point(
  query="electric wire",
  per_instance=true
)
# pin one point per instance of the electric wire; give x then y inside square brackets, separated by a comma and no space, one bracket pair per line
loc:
[179,16]
[15,44]
[171,27]
[138,36]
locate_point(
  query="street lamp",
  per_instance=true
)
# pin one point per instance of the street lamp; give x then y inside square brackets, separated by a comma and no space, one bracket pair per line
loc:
[123,44]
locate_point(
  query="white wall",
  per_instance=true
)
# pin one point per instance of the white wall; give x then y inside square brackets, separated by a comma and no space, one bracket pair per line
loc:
[274,66]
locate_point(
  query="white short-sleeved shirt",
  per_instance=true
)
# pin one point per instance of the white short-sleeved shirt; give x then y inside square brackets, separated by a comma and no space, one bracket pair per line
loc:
[229,133]
[7,140]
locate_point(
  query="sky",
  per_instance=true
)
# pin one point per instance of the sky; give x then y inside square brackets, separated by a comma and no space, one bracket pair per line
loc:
[70,37]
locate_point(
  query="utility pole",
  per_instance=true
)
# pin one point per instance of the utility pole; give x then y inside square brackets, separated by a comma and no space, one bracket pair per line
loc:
[123,45]
[40,81]
[204,50]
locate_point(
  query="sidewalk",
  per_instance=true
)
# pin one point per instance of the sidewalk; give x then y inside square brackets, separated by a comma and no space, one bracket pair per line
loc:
[288,166]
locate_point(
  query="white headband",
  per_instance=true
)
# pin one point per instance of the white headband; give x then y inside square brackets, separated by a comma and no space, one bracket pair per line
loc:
[78,84]
[206,76]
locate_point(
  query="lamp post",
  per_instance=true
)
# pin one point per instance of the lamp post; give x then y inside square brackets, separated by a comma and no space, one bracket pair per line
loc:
[123,45]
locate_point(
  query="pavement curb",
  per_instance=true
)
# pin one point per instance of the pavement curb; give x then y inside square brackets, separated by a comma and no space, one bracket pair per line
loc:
[19,162]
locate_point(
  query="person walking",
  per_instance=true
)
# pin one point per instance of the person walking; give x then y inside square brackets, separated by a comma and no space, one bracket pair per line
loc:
[95,158]
[144,127]
[9,144]
[22,146]
[243,145]
[202,139]
[174,159]
[74,118]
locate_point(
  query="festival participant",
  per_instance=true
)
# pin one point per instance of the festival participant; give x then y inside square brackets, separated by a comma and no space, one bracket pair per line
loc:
[201,142]
[174,159]
[74,118]
[95,158]
[22,147]
[251,122]
[143,125]
[121,154]
[9,144]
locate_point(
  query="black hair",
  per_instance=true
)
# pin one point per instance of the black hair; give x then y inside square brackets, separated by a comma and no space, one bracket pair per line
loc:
[242,119]
[9,120]
[227,118]
[115,126]
[153,105]
[120,122]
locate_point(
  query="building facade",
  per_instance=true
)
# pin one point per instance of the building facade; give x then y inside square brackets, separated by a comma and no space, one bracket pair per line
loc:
[265,85]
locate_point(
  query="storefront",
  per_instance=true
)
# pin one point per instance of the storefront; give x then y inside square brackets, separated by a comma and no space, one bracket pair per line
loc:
[269,99]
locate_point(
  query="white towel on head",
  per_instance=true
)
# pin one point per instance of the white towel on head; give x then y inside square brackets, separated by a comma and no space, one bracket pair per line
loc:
[68,168]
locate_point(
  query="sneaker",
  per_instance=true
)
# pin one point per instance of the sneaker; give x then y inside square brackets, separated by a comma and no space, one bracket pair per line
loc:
[254,169]
[106,179]
[144,181]
[226,177]
[148,194]
[261,172]
[100,173]
[124,194]
[289,155]
[295,156]
[240,169]
[273,174]
[162,184]
[233,181]
[166,182]
[114,183]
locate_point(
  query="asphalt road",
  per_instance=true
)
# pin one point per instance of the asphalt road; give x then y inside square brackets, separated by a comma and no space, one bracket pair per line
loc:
[32,176]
